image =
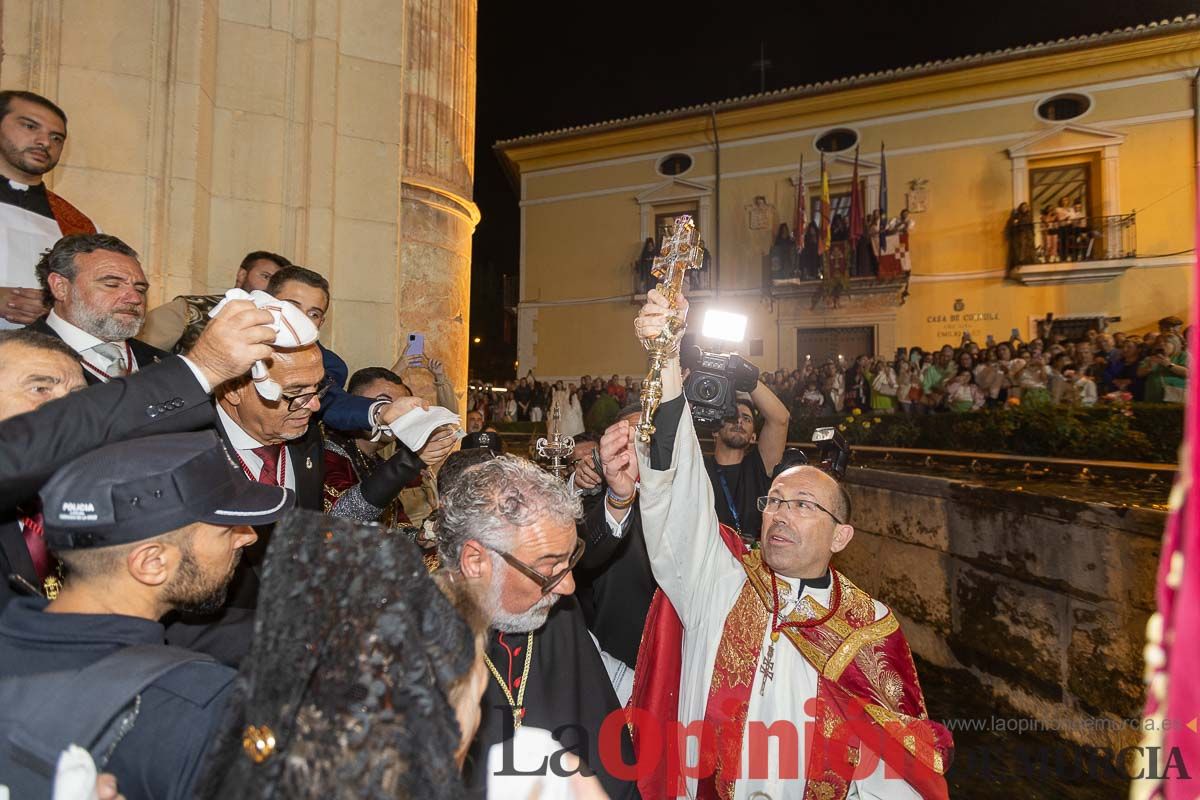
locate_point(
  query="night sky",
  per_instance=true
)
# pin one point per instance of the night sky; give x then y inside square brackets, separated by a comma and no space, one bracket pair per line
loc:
[548,65]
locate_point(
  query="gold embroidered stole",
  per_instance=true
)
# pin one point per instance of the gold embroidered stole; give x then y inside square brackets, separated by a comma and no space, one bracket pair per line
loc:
[829,646]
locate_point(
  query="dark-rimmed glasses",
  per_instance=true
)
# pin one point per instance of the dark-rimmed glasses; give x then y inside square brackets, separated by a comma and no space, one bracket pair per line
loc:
[806,508]
[295,402]
[545,582]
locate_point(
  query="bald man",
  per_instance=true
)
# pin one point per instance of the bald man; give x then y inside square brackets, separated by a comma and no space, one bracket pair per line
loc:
[769,643]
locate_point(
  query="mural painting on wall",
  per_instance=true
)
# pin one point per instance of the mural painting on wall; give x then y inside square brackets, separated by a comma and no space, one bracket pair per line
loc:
[952,326]
[916,200]
[760,214]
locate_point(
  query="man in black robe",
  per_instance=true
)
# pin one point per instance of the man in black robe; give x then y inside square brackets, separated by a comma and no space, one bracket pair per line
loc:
[509,530]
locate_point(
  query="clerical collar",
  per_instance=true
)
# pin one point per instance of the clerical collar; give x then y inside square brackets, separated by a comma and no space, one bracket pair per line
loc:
[20,187]
[822,582]
[798,585]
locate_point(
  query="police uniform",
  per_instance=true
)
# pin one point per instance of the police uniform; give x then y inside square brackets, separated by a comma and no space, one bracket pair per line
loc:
[163,752]
[123,494]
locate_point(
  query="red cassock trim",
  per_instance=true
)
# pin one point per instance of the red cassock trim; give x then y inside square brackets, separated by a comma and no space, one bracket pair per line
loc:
[69,218]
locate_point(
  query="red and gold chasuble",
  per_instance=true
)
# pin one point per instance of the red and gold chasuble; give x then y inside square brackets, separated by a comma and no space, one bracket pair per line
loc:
[867,690]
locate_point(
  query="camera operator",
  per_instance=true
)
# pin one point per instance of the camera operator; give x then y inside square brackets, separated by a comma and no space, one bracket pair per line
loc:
[739,470]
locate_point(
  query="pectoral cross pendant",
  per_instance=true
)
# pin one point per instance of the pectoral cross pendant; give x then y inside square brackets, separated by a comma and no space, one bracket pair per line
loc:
[767,668]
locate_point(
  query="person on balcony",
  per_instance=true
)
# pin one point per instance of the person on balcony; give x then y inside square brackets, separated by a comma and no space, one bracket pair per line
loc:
[1079,232]
[1049,235]
[1021,249]
[839,231]
[645,264]
[873,225]
[810,257]
[1064,227]
[783,253]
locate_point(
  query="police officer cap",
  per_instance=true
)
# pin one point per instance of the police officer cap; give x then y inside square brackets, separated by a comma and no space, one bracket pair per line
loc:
[486,439]
[135,490]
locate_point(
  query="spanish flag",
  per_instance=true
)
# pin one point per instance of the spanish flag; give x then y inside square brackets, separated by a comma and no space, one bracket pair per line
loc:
[826,208]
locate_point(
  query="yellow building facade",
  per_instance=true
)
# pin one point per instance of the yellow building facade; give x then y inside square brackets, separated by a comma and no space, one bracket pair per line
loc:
[1112,119]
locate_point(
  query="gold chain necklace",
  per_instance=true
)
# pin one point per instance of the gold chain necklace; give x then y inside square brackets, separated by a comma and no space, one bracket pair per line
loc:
[517,705]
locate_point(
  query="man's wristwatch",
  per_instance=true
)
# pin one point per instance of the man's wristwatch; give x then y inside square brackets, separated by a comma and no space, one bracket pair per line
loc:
[378,430]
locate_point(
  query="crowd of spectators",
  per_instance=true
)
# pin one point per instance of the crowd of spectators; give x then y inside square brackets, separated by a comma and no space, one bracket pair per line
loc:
[1097,368]
[528,399]
[1100,367]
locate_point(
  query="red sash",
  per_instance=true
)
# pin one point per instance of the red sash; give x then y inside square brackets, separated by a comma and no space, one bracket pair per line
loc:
[69,218]
[867,693]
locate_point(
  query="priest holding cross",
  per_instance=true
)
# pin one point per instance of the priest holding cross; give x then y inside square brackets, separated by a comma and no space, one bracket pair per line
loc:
[762,672]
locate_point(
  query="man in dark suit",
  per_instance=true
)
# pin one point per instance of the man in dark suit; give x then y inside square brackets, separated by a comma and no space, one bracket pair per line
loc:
[96,291]
[273,443]
[45,422]
[168,397]
[278,443]
[34,369]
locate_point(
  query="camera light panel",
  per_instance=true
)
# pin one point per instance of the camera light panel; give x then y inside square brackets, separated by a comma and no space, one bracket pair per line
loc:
[823,434]
[724,325]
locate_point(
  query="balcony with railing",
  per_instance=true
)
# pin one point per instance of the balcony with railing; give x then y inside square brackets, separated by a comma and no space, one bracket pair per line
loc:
[1073,250]
[845,270]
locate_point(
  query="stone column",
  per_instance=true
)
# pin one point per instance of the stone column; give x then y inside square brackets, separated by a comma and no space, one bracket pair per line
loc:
[437,215]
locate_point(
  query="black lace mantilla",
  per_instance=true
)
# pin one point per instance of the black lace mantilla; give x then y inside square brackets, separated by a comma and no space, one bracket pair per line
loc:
[354,650]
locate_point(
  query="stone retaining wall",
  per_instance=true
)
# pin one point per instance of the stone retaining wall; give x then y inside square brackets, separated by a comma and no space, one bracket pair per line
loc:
[1044,600]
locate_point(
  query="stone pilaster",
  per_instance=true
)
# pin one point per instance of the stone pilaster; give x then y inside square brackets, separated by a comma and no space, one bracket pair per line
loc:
[437,215]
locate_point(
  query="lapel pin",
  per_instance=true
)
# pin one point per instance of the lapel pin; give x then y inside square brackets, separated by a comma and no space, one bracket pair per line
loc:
[308,463]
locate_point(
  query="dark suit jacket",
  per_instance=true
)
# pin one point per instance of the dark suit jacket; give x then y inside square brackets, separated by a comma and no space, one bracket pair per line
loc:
[14,559]
[614,581]
[228,634]
[162,398]
[144,353]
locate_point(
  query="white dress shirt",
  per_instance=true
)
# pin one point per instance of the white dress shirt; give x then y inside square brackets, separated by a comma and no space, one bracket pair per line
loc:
[244,444]
[84,343]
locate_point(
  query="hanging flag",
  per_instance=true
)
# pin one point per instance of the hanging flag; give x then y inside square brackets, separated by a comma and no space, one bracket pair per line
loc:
[801,222]
[826,208]
[883,211]
[856,206]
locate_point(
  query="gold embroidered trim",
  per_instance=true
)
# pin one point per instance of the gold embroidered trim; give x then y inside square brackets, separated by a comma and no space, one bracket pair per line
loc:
[874,632]
[931,757]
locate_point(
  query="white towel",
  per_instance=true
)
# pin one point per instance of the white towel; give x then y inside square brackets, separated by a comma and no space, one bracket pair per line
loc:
[415,427]
[292,329]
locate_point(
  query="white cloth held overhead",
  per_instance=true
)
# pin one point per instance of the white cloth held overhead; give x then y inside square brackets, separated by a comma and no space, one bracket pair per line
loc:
[415,427]
[292,329]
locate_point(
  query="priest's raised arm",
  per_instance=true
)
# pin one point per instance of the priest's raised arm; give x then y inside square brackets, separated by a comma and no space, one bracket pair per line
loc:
[686,552]
[756,646]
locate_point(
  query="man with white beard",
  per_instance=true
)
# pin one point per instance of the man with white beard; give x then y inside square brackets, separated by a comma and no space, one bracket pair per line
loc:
[508,529]
[96,292]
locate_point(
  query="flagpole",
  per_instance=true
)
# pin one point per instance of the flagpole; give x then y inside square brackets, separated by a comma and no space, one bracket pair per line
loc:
[883,205]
